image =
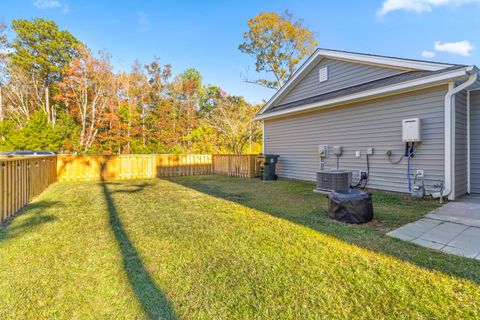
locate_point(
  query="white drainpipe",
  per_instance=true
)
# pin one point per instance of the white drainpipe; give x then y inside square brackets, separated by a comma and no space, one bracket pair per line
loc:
[263,136]
[468,142]
[450,135]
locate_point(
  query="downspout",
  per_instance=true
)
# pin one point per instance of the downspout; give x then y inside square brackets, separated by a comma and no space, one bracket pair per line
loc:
[468,142]
[450,135]
[263,136]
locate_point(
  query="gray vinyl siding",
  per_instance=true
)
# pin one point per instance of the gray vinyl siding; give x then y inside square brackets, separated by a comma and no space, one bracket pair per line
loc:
[461,171]
[475,141]
[341,74]
[374,123]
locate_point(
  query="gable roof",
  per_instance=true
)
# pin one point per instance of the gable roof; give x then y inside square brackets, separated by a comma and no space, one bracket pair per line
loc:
[411,75]
[415,69]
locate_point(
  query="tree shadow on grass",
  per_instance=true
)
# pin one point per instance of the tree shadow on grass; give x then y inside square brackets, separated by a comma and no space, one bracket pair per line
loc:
[27,219]
[155,304]
[131,188]
[261,197]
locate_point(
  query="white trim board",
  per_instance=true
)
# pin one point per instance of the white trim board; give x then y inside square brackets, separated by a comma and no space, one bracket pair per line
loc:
[384,61]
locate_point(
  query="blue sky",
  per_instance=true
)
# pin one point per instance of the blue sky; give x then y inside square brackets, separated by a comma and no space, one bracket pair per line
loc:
[206,34]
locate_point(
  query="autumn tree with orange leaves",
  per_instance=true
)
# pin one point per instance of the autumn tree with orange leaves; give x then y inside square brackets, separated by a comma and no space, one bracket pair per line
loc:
[86,90]
[278,44]
[146,109]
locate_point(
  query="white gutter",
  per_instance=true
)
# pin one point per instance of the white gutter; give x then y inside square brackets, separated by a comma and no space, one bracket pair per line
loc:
[450,135]
[468,142]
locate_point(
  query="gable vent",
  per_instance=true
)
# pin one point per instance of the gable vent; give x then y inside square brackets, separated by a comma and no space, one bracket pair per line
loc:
[323,74]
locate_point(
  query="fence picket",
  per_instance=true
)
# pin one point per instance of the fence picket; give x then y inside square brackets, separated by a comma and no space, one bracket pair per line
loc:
[21,179]
[244,166]
[130,166]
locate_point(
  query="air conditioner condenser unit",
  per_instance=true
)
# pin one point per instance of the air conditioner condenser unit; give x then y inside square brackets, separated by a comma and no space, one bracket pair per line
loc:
[333,180]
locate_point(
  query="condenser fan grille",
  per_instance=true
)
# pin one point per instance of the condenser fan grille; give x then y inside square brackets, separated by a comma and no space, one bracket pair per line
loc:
[333,180]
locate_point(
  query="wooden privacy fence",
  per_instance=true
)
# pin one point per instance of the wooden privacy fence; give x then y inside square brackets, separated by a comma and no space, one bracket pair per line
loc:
[243,165]
[23,178]
[115,167]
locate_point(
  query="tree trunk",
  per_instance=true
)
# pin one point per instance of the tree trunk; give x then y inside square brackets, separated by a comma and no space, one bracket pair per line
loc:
[1,104]
[129,126]
[47,105]
[143,127]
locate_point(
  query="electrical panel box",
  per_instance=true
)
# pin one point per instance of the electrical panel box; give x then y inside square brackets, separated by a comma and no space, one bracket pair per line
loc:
[411,130]
[370,151]
[323,150]
[337,150]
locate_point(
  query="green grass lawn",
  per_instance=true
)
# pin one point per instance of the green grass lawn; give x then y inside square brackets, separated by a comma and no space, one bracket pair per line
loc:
[210,247]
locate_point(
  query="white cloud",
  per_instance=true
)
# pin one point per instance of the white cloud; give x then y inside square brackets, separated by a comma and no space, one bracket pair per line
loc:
[51,4]
[428,54]
[418,6]
[142,21]
[142,18]
[47,4]
[463,48]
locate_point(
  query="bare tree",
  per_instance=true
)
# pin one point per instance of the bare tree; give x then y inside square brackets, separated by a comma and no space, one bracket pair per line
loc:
[232,120]
[18,96]
[3,56]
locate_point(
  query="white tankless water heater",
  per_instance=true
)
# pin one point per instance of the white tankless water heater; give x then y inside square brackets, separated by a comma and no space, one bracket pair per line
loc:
[411,130]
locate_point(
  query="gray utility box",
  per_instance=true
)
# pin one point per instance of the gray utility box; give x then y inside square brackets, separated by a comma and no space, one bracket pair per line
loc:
[333,180]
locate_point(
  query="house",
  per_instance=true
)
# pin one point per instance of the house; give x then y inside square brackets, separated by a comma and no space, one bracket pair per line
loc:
[359,102]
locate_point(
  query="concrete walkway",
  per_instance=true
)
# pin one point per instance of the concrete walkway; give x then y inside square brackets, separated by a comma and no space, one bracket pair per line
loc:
[464,211]
[453,228]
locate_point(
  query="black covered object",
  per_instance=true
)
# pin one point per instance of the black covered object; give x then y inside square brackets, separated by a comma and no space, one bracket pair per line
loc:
[350,206]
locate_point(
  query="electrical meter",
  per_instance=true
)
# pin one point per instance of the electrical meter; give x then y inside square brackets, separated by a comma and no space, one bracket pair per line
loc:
[323,150]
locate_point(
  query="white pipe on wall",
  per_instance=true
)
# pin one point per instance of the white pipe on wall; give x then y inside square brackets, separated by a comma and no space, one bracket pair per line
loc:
[468,142]
[450,135]
[263,136]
